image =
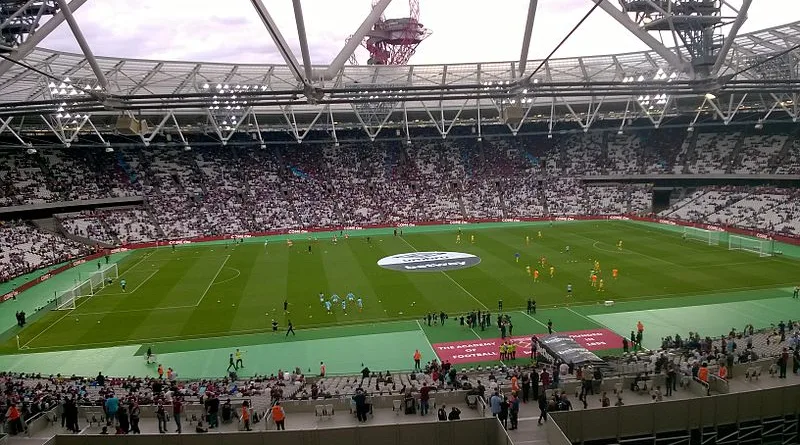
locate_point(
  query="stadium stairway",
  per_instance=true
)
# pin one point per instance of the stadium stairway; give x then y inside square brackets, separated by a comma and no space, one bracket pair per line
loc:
[776,161]
[151,213]
[52,225]
[735,158]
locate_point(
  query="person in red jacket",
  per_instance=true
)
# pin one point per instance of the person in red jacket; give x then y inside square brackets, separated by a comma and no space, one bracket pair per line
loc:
[14,418]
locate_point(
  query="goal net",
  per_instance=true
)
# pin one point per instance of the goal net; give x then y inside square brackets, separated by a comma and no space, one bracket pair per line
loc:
[86,288]
[760,246]
[710,237]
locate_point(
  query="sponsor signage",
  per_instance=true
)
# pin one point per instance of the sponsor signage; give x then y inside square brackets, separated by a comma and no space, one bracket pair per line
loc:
[429,261]
[489,349]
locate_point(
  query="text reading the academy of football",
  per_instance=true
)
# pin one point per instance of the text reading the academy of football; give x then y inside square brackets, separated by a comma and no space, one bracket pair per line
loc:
[429,261]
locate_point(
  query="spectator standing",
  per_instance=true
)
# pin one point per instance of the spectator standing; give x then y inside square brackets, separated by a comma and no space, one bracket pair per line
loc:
[246,415]
[671,378]
[71,409]
[161,416]
[14,418]
[494,404]
[279,416]
[111,407]
[503,415]
[135,413]
[526,387]
[513,410]
[360,400]
[177,409]
[542,408]
[424,399]
[783,362]
[212,407]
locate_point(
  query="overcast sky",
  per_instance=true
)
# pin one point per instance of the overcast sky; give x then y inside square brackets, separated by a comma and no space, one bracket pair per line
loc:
[463,30]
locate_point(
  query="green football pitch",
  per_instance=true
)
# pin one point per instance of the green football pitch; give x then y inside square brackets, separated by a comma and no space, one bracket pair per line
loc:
[203,291]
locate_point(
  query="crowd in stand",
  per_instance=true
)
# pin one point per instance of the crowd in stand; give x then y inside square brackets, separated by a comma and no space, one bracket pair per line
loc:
[211,191]
[680,361]
[768,210]
[24,249]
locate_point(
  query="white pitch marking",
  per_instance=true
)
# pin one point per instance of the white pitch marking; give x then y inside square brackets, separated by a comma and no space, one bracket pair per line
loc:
[212,280]
[450,278]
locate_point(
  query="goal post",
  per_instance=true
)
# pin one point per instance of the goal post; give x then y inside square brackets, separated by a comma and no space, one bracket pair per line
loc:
[763,247]
[710,237]
[97,280]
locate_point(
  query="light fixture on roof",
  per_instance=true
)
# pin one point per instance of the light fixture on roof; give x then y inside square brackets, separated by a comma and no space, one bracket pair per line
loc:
[51,85]
[710,96]
[205,86]
[640,78]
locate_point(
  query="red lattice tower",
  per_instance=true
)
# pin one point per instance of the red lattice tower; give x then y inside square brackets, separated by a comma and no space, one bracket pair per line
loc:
[393,41]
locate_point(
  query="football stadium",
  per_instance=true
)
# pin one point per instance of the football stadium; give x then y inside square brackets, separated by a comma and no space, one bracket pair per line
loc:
[601,249]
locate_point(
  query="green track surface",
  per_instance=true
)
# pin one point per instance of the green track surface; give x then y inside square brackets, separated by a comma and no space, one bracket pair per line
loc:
[195,304]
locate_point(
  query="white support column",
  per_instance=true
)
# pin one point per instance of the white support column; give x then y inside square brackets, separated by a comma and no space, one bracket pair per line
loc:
[338,62]
[333,125]
[405,122]
[34,39]
[148,138]
[6,125]
[726,45]
[280,42]
[526,38]
[87,50]
[58,132]
[780,103]
[670,57]
[301,32]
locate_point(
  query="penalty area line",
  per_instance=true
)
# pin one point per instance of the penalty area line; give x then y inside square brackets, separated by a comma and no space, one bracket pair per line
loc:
[211,283]
[25,345]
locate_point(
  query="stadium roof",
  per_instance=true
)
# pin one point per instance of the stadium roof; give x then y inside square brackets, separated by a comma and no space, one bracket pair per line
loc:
[760,74]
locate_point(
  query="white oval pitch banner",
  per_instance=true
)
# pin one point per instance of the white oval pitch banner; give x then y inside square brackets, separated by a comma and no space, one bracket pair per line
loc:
[429,261]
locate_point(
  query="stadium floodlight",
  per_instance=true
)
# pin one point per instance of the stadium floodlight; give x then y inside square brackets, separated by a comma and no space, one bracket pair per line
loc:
[205,86]
[710,96]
